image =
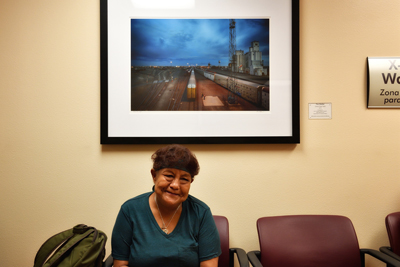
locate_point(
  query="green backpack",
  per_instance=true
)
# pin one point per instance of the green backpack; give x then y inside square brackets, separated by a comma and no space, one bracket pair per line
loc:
[81,246]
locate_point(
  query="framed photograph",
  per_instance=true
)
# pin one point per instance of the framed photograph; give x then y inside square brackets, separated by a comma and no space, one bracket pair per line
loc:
[199,72]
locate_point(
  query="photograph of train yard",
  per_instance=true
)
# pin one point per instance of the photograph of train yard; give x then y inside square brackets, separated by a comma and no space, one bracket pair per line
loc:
[200,65]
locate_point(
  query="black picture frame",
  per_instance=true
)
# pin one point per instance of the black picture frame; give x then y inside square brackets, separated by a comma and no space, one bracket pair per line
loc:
[107,91]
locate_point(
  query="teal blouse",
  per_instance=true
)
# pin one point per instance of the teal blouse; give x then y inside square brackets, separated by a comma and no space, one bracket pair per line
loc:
[137,238]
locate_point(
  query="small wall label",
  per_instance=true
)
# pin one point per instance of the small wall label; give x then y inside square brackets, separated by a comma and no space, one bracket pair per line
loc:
[320,111]
[383,82]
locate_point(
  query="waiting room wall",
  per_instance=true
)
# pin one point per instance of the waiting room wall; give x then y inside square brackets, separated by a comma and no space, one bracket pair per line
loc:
[55,173]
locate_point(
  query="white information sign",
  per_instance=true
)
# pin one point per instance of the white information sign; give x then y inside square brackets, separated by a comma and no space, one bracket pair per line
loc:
[320,111]
[383,82]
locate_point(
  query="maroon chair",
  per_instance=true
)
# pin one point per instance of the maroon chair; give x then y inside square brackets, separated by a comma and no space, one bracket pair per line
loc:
[226,259]
[392,222]
[310,241]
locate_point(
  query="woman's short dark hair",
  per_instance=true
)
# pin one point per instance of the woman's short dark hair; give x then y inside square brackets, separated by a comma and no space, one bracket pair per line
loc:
[177,157]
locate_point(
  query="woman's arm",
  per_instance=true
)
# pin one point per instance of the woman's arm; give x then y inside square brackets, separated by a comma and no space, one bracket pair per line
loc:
[210,263]
[118,263]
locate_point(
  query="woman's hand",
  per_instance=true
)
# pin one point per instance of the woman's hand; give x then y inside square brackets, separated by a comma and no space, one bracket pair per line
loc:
[210,263]
[118,263]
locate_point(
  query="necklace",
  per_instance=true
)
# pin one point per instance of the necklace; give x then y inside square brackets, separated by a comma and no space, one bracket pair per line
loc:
[165,228]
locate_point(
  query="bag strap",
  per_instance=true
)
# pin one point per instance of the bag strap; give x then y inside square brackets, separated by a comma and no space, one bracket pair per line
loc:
[67,247]
[50,245]
[56,242]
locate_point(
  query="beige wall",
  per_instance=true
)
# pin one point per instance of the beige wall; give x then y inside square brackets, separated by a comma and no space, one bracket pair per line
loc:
[55,174]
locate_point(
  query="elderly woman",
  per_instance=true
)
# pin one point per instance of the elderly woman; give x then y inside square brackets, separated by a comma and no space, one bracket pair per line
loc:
[167,227]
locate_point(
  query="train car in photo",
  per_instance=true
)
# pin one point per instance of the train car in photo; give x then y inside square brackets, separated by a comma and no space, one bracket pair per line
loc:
[209,75]
[191,87]
[252,92]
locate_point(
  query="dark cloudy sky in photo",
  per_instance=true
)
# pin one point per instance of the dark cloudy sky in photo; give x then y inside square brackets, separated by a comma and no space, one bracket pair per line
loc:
[157,42]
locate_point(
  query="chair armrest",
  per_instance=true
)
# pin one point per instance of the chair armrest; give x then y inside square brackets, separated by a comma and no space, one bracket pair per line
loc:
[388,251]
[108,262]
[381,256]
[241,255]
[254,258]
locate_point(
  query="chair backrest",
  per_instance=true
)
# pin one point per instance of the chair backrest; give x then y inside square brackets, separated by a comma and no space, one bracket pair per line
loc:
[223,230]
[308,240]
[393,229]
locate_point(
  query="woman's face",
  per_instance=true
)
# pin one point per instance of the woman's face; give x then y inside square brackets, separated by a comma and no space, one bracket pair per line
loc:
[171,186]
